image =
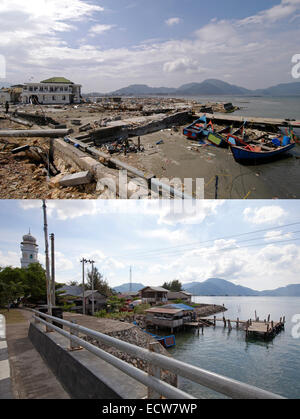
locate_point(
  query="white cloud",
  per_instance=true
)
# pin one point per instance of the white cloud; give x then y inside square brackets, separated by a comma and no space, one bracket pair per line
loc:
[277,235]
[10,259]
[165,234]
[32,38]
[99,29]
[281,11]
[172,21]
[266,214]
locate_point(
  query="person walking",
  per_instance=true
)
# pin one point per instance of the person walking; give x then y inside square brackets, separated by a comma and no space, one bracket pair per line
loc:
[6,107]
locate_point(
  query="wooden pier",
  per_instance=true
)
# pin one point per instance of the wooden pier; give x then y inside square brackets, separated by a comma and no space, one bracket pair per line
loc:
[254,122]
[266,329]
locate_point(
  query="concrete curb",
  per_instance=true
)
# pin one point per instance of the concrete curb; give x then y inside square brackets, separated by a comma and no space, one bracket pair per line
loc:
[83,374]
[5,380]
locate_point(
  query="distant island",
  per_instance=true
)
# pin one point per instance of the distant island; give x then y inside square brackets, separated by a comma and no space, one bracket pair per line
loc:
[221,287]
[207,87]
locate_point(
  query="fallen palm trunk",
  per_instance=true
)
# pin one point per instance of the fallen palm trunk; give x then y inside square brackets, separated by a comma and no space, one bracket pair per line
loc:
[19,121]
[34,133]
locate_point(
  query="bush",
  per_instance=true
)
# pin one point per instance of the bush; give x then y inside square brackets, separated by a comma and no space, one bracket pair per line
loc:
[140,309]
[67,307]
[179,302]
[101,314]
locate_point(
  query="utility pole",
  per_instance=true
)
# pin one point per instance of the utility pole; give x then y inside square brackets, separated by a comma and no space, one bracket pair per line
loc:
[130,279]
[93,300]
[83,261]
[48,283]
[52,269]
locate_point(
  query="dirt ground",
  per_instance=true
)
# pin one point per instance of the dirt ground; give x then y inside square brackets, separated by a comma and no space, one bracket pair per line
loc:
[179,157]
[167,154]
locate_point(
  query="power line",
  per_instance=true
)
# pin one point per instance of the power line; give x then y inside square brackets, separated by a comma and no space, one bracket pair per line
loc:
[185,247]
[216,251]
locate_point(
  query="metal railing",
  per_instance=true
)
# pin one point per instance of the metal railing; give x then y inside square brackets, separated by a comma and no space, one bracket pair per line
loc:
[220,384]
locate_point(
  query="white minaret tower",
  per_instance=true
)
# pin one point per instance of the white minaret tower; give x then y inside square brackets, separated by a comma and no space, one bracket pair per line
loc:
[29,250]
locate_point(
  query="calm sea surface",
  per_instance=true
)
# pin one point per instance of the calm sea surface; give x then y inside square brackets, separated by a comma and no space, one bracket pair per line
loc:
[273,365]
[268,107]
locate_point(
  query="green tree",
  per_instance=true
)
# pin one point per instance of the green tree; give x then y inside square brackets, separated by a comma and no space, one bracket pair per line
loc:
[73,284]
[100,284]
[11,285]
[114,303]
[174,286]
[35,283]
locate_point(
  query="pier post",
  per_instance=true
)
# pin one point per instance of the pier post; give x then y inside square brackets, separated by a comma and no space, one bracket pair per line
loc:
[237,323]
[154,371]
[215,321]
[269,317]
[224,320]
[229,325]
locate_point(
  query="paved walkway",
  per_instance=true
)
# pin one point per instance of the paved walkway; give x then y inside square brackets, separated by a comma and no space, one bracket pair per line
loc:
[30,377]
[5,382]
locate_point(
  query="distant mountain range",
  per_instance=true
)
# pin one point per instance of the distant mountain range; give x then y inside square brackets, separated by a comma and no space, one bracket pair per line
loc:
[220,287]
[207,87]
[125,287]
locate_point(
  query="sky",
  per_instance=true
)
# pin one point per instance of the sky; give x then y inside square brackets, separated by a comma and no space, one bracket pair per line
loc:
[109,44]
[251,243]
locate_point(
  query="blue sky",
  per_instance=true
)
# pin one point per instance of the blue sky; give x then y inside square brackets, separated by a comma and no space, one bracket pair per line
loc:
[162,243]
[108,44]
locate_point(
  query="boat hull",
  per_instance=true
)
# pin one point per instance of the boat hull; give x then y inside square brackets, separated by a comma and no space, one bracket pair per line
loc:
[242,155]
[217,140]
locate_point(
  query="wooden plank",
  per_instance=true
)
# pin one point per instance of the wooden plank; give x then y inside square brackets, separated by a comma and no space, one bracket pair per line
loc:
[250,119]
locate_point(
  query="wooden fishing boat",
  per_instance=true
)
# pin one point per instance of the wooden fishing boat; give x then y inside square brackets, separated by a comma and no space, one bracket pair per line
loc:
[198,129]
[218,138]
[259,152]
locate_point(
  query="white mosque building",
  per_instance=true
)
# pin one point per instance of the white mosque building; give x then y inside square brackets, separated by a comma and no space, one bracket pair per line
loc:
[29,250]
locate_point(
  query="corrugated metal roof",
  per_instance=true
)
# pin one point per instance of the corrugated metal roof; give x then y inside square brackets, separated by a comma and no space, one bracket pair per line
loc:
[180,307]
[161,289]
[163,310]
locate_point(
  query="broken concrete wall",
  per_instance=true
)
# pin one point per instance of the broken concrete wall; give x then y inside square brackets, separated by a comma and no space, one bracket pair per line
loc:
[179,118]
[108,134]
[75,158]
[38,119]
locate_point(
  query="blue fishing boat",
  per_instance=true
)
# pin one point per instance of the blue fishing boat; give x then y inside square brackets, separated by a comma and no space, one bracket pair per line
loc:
[198,129]
[166,341]
[259,152]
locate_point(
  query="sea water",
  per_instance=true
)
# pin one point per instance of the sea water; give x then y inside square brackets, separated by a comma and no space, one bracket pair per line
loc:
[261,106]
[271,365]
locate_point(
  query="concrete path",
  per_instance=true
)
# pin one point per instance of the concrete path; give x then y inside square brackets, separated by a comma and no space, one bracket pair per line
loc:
[30,377]
[5,382]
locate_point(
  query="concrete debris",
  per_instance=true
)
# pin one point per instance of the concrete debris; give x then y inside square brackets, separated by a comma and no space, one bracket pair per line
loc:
[34,133]
[76,179]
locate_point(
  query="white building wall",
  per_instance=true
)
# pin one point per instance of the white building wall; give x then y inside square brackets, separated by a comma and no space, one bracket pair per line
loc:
[52,93]
[29,254]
